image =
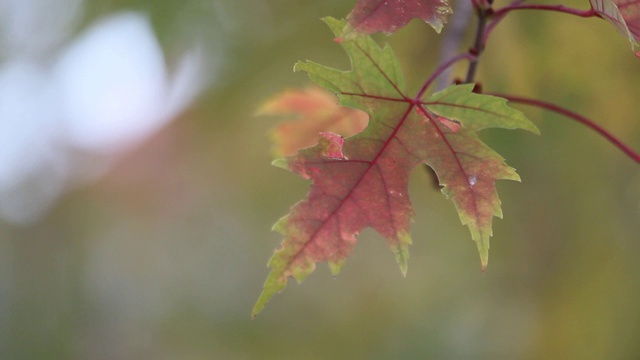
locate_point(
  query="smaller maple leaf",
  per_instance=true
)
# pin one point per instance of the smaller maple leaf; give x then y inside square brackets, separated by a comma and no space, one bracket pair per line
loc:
[371,16]
[624,15]
[316,110]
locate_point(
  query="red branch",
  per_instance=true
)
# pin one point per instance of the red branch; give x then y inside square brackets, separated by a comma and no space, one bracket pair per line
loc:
[556,8]
[499,14]
[577,117]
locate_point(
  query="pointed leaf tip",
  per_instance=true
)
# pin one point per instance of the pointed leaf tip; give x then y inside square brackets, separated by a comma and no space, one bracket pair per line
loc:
[484,261]
[281,163]
[483,251]
[271,287]
[335,267]
[401,251]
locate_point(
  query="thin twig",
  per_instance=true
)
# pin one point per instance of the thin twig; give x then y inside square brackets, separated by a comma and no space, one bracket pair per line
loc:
[478,45]
[441,69]
[577,117]
[496,19]
[557,8]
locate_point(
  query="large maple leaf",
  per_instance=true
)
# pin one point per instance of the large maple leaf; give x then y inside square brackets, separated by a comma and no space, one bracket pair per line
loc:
[362,181]
[371,16]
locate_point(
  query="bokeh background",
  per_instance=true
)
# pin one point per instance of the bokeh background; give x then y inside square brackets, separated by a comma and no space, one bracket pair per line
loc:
[137,196]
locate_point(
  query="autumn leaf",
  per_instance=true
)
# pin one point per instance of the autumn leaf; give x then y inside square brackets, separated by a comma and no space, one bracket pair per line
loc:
[371,16]
[316,110]
[624,15]
[362,181]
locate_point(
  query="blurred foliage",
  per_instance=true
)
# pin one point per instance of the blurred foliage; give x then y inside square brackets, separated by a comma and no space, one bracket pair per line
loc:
[164,256]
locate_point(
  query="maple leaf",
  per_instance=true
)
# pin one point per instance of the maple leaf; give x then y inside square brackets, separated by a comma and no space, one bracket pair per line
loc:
[371,16]
[317,110]
[362,181]
[624,15]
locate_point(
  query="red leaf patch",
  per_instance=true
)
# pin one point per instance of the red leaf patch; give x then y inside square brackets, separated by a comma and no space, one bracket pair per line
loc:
[371,16]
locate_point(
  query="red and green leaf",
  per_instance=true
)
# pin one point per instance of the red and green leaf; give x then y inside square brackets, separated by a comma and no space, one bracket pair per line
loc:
[316,110]
[362,181]
[371,16]
[624,15]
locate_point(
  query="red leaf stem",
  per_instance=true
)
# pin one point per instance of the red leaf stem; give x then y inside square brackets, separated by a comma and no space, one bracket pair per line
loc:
[496,19]
[556,8]
[577,117]
[442,68]
[499,14]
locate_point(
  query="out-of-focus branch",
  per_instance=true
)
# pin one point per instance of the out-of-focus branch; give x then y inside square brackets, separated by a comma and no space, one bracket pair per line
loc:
[452,37]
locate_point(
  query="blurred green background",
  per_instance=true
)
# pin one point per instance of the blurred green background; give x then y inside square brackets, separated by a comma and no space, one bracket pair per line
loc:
[163,255]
